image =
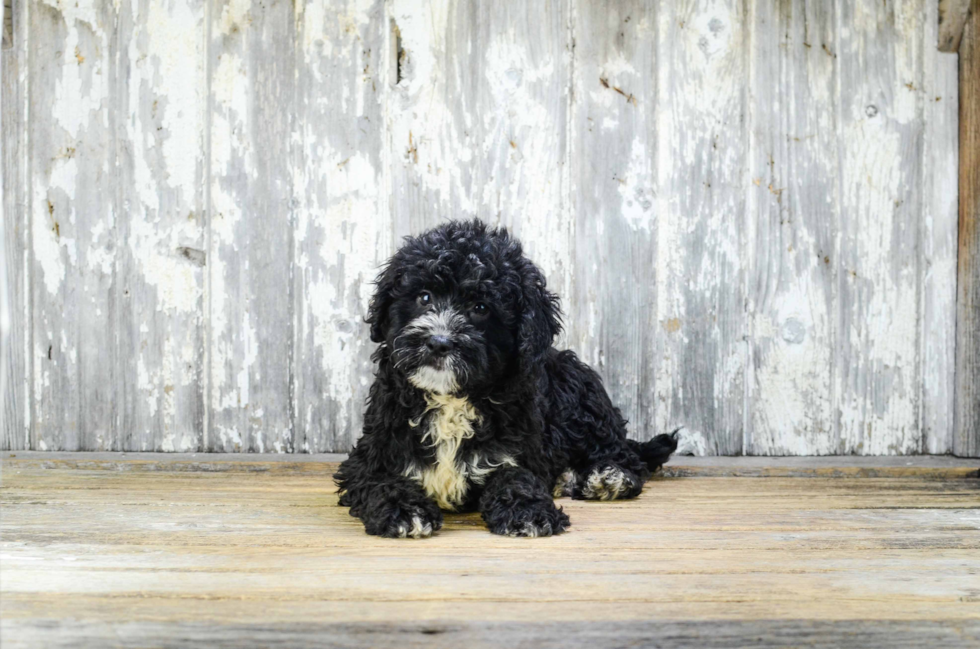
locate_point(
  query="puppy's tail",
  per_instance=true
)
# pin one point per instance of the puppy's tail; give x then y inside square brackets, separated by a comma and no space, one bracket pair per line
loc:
[656,451]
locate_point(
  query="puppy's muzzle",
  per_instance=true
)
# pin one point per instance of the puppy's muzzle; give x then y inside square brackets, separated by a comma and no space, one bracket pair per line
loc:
[439,345]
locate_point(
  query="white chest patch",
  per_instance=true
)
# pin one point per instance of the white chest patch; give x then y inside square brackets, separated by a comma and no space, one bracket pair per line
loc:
[449,421]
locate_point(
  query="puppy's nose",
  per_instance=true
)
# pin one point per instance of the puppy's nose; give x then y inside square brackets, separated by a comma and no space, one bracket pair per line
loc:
[440,345]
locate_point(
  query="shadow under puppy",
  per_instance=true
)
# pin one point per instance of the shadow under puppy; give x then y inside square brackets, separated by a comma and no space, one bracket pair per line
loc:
[471,407]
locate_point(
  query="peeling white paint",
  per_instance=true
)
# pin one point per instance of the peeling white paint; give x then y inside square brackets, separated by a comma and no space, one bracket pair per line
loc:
[47,247]
[178,32]
[636,189]
[78,96]
[761,326]
[235,16]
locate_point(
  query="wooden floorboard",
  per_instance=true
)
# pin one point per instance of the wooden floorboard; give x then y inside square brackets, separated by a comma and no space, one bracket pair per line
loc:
[106,557]
[885,466]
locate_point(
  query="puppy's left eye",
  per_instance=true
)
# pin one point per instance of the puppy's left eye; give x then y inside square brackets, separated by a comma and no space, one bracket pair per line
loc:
[479,311]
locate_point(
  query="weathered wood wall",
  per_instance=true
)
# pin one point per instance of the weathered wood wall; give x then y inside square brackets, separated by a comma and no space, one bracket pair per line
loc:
[966,434]
[749,207]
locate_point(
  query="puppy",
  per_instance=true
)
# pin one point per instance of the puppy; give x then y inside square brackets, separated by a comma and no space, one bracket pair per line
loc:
[471,406]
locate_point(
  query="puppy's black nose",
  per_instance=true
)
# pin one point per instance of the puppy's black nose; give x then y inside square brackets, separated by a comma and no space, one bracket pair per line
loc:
[440,345]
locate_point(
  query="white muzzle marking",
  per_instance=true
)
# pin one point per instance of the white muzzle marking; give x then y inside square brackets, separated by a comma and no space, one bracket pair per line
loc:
[439,381]
[436,380]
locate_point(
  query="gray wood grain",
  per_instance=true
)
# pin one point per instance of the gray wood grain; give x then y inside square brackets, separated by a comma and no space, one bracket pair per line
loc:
[342,230]
[747,209]
[700,380]
[478,122]
[451,633]
[966,435]
[613,176]
[6,370]
[250,254]
[794,214]
[73,208]
[15,416]
[880,131]
[938,237]
[160,239]
[149,557]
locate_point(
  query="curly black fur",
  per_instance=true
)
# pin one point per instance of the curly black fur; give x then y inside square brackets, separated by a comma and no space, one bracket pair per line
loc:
[471,407]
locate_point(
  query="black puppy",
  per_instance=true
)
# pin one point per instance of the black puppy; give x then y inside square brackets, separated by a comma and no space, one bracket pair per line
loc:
[471,406]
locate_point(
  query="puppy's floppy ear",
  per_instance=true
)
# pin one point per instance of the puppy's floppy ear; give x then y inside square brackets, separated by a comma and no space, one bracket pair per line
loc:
[381,302]
[540,316]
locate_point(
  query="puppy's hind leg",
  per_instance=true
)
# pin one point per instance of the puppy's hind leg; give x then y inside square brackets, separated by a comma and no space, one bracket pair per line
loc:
[622,474]
[608,465]
[608,480]
[619,467]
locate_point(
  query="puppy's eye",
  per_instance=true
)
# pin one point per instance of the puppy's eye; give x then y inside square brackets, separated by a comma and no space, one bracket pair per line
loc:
[424,298]
[480,311]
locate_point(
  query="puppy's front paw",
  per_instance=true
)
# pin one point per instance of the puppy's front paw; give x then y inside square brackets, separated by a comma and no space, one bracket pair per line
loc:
[405,520]
[608,482]
[529,519]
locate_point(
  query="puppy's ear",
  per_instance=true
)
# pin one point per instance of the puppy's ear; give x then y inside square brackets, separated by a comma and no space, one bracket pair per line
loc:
[540,317]
[381,303]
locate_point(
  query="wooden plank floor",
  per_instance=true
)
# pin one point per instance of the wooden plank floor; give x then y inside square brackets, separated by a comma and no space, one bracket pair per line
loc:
[133,555]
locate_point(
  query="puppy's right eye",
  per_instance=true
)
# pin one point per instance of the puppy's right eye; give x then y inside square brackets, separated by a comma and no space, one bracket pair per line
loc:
[424,298]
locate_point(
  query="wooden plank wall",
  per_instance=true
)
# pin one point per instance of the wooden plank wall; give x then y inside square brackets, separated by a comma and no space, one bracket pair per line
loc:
[966,438]
[15,406]
[748,207]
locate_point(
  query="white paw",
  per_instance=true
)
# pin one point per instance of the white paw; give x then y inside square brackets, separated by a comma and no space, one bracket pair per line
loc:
[606,484]
[416,530]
